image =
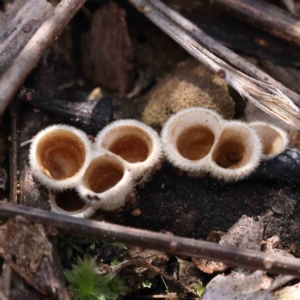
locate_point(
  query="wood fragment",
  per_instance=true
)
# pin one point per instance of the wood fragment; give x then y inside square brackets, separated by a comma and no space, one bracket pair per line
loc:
[28,58]
[248,259]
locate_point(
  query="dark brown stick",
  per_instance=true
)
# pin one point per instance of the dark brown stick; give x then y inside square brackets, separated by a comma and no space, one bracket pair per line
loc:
[28,58]
[265,16]
[248,259]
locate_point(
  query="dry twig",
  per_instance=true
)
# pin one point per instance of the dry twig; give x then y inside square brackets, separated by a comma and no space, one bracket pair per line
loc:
[234,256]
[28,58]
[271,97]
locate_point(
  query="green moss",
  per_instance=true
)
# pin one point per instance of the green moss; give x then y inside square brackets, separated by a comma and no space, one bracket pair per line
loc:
[86,284]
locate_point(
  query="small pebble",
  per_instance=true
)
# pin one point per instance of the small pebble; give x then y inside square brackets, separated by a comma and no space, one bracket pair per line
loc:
[136,212]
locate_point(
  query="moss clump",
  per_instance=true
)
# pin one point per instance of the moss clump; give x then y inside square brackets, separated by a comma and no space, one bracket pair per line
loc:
[86,284]
[190,84]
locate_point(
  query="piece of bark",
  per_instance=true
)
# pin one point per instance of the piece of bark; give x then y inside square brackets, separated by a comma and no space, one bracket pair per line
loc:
[210,266]
[88,115]
[26,249]
[18,25]
[111,55]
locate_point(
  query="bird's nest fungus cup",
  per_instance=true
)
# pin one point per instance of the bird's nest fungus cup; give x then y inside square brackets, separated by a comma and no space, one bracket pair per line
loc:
[136,143]
[188,138]
[274,140]
[59,156]
[106,182]
[236,153]
[198,140]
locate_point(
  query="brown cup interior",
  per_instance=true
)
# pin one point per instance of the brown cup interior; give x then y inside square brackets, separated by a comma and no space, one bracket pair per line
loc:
[231,151]
[60,154]
[195,142]
[131,143]
[271,139]
[103,173]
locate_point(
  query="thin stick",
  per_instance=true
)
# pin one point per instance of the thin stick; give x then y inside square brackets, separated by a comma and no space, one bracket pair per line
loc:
[25,143]
[13,155]
[248,259]
[267,97]
[29,57]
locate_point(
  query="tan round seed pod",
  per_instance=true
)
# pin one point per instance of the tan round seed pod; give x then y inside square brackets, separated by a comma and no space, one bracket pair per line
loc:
[69,203]
[236,153]
[274,140]
[59,156]
[189,136]
[106,182]
[138,144]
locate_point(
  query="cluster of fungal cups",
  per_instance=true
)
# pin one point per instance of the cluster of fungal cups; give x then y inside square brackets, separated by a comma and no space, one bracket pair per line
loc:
[199,141]
[83,176]
[101,173]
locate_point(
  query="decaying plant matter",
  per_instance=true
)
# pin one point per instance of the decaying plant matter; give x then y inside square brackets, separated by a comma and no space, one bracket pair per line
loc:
[272,99]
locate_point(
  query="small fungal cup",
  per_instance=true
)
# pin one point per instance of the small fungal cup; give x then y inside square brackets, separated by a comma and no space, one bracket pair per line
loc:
[236,153]
[274,140]
[189,136]
[136,143]
[106,182]
[59,156]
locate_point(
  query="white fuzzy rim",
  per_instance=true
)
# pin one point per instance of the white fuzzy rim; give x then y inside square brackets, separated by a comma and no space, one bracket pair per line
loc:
[85,212]
[147,138]
[237,152]
[200,120]
[40,172]
[274,139]
[112,197]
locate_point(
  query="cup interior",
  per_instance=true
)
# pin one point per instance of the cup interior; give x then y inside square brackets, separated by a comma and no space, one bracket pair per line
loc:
[103,173]
[131,143]
[60,154]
